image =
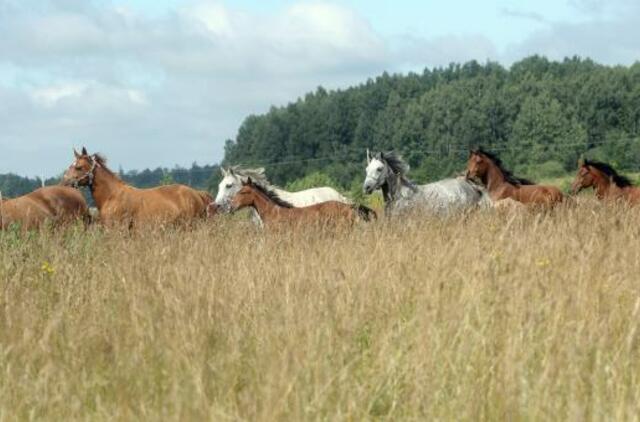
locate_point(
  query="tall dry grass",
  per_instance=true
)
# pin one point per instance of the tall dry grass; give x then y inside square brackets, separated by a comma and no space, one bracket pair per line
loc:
[486,317]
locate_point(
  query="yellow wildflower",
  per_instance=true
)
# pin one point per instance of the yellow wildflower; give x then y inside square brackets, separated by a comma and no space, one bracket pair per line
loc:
[47,269]
[544,262]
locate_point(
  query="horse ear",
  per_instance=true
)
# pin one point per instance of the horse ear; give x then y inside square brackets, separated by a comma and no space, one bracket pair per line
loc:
[249,182]
[223,171]
[379,156]
[76,153]
[84,151]
[368,156]
[581,162]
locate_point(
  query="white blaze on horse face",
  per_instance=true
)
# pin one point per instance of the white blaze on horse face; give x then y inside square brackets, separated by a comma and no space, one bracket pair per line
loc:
[376,174]
[228,187]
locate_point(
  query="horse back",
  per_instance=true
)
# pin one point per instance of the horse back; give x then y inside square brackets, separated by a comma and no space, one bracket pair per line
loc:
[539,194]
[163,203]
[56,203]
[62,200]
[632,194]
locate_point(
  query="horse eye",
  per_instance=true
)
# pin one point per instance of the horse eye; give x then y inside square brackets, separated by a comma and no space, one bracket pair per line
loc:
[78,168]
[229,186]
[379,169]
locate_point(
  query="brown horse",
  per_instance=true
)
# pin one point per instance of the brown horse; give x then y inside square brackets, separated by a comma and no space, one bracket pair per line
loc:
[57,204]
[273,210]
[121,204]
[501,184]
[608,184]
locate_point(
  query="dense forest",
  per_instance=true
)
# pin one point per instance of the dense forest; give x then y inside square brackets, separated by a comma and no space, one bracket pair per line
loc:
[540,116]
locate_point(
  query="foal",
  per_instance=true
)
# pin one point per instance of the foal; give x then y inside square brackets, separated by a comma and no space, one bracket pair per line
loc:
[273,210]
[608,184]
[501,184]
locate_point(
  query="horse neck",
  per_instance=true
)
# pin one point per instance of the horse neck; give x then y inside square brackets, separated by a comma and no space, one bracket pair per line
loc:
[264,206]
[392,187]
[603,186]
[493,178]
[105,185]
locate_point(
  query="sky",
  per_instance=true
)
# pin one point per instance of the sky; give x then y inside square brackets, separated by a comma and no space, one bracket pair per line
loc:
[154,83]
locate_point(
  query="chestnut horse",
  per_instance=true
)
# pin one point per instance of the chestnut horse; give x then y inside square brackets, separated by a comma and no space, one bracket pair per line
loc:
[57,204]
[501,184]
[120,203]
[273,210]
[608,184]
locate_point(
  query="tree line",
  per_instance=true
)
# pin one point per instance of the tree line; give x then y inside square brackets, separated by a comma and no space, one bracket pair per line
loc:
[541,116]
[202,177]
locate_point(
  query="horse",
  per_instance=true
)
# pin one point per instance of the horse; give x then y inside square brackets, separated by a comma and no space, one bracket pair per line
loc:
[121,204]
[235,176]
[608,184]
[274,210]
[56,204]
[501,184]
[387,171]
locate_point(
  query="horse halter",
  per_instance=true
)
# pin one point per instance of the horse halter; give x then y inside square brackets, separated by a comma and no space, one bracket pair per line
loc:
[88,175]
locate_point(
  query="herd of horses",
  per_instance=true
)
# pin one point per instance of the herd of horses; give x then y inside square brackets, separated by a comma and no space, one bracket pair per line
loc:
[485,184]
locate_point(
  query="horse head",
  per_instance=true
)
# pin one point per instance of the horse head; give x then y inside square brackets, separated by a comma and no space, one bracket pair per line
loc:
[81,170]
[376,172]
[477,165]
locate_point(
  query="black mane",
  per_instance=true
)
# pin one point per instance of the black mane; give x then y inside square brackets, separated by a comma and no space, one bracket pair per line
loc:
[507,173]
[620,180]
[271,195]
[395,162]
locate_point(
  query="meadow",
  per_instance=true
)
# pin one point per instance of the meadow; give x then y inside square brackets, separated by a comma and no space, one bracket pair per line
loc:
[514,316]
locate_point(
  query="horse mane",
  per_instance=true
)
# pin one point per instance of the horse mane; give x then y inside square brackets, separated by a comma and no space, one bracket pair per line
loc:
[508,175]
[395,162]
[398,166]
[620,180]
[272,195]
[101,160]
[256,174]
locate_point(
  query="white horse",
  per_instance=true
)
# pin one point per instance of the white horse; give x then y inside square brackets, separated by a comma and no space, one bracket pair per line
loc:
[387,171]
[233,177]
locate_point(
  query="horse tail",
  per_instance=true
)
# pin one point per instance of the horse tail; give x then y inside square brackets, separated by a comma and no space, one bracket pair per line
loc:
[364,212]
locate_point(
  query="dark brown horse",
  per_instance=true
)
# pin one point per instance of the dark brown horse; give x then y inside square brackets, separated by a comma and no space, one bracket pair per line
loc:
[121,204]
[55,204]
[608,184]
[273,210]
[501,184]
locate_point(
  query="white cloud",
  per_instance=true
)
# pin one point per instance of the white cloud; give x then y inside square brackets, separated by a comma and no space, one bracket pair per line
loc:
[50,95]
[151,91]
[160,91]
[608,33]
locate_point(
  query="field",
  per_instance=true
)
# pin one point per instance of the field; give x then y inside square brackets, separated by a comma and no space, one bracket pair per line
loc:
[482,317]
